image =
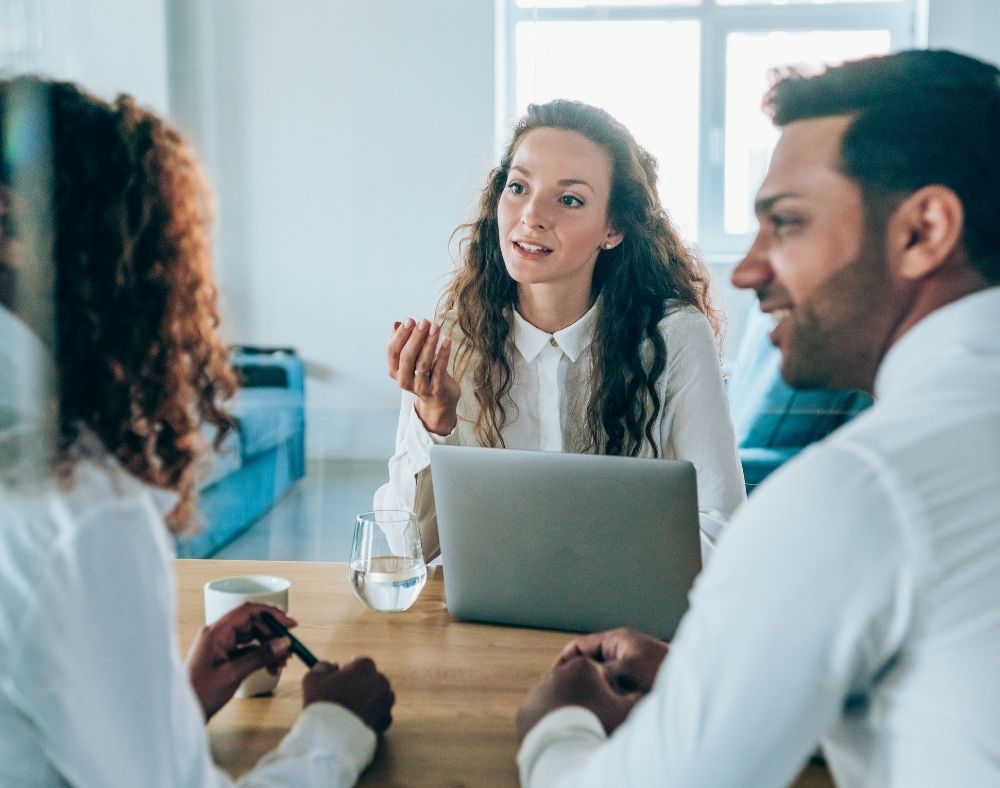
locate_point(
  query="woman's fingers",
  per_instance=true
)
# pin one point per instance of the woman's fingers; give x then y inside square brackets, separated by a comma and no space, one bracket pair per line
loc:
[441,361]
[401,333]
[439,371]
[425,362]
[414,360]
[408,355]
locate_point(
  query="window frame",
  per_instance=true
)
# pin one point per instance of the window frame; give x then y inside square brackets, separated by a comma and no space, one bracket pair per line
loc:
[902,18]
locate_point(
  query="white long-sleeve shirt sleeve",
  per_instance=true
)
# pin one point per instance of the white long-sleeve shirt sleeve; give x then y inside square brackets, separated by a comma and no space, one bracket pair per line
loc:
[796,613]
[94,691]
[695,424]
[409,486]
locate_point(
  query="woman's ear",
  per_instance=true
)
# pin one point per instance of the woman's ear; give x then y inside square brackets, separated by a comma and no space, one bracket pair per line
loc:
[924,231]
[612,238]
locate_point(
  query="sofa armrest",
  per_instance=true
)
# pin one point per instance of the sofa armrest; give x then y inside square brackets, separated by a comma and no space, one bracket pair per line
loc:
[268,368]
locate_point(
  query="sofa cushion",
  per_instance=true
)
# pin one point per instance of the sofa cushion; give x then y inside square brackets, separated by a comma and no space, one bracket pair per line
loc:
[267,417]
[224,460]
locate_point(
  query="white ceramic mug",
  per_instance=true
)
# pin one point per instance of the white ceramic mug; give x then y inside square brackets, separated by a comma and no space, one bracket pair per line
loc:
[226,593]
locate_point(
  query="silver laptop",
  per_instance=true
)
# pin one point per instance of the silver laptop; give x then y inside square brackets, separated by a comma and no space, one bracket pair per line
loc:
[566,541]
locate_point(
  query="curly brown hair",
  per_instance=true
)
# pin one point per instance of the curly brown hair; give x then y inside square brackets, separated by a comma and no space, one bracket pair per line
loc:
[138,360]
[649,273]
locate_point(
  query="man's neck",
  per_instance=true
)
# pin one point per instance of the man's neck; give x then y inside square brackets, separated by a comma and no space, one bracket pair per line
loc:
[938,291]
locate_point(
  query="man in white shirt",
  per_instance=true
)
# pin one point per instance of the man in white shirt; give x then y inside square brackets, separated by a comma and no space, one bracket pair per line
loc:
[855,600]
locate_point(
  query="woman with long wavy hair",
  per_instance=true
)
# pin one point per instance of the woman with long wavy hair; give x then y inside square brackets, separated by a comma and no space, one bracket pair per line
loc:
[576,321]
[110,363]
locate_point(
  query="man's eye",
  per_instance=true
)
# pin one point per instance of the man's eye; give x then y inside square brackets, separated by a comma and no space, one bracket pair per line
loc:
[570,201]
[782,223]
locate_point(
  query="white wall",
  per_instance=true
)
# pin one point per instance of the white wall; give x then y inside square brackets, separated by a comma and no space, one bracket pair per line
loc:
[110,46]
[969,26]
[347,142]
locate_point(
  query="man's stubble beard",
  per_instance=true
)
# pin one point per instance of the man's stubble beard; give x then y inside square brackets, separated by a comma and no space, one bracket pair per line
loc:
[839,345]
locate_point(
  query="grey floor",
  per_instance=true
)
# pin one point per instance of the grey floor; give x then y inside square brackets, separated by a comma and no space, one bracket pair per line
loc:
[315,521]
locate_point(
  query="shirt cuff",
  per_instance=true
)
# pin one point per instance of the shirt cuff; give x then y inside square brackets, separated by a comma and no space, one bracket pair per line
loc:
[329,732]
[557,745]
[424,438]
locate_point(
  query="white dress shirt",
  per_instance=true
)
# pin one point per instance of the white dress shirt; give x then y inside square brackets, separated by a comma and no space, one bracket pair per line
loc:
[855,600]
[547,403]
[92,688]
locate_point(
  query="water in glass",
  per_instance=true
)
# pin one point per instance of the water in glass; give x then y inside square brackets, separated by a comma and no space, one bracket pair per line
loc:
[387,570]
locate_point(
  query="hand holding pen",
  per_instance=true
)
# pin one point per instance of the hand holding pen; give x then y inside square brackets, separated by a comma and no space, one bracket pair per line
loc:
[295,646]
[358,686]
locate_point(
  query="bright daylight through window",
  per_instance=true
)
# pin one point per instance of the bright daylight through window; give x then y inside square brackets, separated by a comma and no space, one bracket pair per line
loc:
[687,78]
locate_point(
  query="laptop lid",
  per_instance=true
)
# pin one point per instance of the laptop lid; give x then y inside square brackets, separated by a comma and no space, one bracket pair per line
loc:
[566,541]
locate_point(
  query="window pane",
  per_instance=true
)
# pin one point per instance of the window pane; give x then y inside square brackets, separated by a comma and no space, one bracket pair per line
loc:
[798,2]
[620,66]
[750,136]
[588,3]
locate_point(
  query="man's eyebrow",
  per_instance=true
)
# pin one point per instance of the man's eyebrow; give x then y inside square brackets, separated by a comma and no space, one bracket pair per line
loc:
[764,204]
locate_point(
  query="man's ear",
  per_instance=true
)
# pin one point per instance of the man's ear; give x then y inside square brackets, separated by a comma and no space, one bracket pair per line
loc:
[925,230]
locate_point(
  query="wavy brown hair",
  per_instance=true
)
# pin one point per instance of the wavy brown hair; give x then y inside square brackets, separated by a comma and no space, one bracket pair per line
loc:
[138,361]
[639,281]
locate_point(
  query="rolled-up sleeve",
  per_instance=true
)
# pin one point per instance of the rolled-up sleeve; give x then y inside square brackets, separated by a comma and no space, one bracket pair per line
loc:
[409,486]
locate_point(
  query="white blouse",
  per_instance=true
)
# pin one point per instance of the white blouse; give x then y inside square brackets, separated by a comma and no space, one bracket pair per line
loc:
[548,398]
[92,687]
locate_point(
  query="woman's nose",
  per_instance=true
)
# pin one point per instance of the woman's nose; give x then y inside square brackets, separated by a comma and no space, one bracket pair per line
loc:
[535,215]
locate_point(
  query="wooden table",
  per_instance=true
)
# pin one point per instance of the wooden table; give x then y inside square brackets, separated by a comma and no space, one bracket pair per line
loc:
[458,685]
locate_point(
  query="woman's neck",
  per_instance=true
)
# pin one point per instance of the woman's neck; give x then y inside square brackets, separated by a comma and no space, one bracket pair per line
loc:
[552,308]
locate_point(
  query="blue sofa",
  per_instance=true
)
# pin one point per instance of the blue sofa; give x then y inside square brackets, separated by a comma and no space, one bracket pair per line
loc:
[772,420]
[262,458]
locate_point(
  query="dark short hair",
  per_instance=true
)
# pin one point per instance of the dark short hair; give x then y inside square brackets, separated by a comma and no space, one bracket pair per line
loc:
[921,117]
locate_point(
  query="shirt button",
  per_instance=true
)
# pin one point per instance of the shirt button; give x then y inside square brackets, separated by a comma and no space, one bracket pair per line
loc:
[552,341]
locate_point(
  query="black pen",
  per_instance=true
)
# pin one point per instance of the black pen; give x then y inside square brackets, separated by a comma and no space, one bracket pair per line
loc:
[297,648]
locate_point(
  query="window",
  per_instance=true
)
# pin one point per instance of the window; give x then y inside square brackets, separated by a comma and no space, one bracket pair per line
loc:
[687,77]
[20,35]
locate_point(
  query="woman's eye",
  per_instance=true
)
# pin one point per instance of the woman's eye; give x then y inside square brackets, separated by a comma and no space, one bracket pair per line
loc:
[570,201]
[515,188]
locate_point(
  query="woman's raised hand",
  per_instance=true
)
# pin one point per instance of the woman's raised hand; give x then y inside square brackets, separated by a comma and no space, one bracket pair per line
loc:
[418,365]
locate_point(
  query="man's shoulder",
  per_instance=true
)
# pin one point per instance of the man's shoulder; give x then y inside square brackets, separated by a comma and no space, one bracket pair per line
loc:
[845,473]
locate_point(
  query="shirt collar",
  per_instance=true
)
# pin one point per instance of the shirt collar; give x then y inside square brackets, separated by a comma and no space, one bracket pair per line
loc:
[959,328]
[572,340]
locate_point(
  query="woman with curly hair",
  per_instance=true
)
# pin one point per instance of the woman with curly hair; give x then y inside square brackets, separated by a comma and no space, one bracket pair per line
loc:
[577,321]
[109,366]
